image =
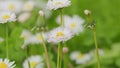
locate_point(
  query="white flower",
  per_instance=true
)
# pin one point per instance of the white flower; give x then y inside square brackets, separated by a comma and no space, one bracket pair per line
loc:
[1,39]
[6,63]
[35,62]
[80,58]
[23,17]
[13,6]
[59,34]
[26,35]
[29,6]
[74,23]
[7,17]
[66,18]
[56,4]
[38,38]
[100,51]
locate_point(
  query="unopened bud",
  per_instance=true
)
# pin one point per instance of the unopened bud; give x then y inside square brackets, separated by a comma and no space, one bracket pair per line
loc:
[87,12]
[41,13]
[65,49]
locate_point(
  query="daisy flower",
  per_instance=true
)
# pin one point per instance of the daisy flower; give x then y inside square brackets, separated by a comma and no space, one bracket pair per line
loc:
[56,4]
[1,39]
[100,51]
[59,34]
[23,17]
[13,6]
[7,17]
[38,38]
[6,63]
[35,62]
[74,23]
[29,6]
[80,58]
[26,35]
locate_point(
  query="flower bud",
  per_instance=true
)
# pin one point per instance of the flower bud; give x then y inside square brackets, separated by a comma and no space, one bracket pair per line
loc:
[65,49]
[87,12]
[41,13]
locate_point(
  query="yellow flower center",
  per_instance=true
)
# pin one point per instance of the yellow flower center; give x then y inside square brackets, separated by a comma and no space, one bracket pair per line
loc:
[72,25]
[58,3]
[39,37]
[80,56]
[33,64]
[3,65]
[58,34]
[11,7]
[28,6]
[24,37]
[6,16]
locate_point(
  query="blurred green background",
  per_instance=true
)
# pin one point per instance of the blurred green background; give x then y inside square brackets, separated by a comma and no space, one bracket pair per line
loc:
[107,16]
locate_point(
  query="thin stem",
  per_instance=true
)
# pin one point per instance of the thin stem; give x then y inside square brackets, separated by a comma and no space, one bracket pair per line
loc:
[58,56]
[96,45]
[27,56]
[61,17]
[46,53]
[7,51]
[65,57]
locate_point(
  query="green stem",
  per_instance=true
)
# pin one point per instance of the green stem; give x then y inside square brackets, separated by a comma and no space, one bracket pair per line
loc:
[7,50]
[61,17]
[65,57]
[27,56]
[45,50]
[96,45]
[58,56]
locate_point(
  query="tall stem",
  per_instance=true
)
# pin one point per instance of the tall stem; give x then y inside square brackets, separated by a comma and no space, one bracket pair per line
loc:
[58,56]
[64,57]
[96,45]
[27,56]
[7,51]
[61,17]
[46,53]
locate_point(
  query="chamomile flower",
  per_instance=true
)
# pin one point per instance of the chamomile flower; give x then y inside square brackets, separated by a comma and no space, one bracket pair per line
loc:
[38,38]
[24,16]
[13,6]
[66,18]
[35,62]
[100,51]
[6,63]
[74,23]
[29,6]
[59,34]
[56,4]
[1,39]
[26,35]
[80,58]
[7,17]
